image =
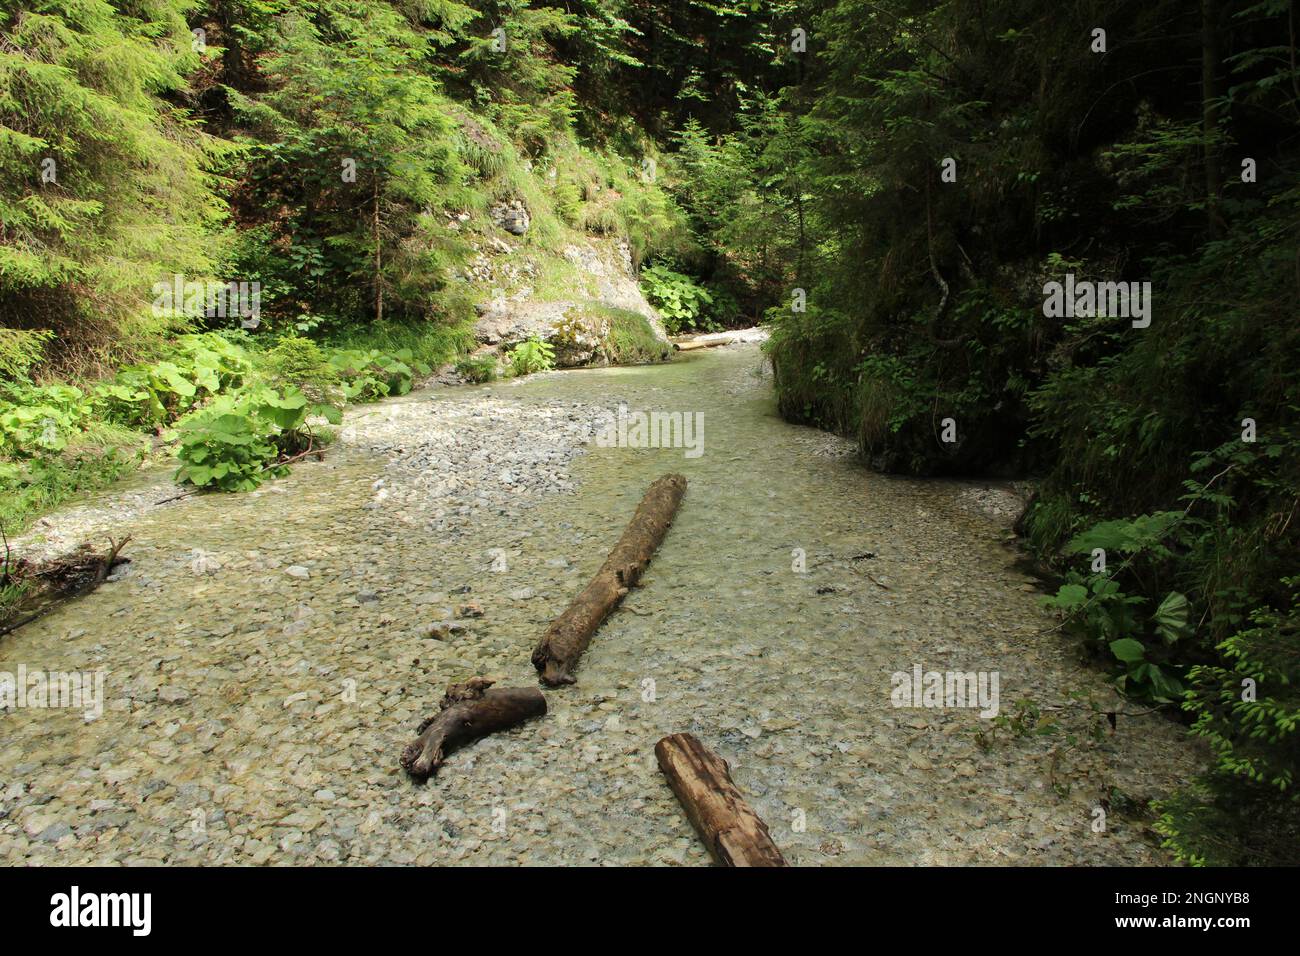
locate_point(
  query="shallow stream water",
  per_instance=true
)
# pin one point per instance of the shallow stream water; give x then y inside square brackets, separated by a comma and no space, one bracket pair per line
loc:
[254,715]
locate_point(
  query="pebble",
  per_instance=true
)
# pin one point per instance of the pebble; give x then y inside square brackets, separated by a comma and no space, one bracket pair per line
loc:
[54,832]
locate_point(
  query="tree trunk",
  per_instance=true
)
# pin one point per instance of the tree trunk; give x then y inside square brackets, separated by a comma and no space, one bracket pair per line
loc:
[468,711]
[714,339]
[564,641]
[733,833]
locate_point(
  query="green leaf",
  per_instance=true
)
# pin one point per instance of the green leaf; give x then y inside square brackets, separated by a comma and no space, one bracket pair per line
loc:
[1128,650]
[331,413]
[1070,596]
[1171,617]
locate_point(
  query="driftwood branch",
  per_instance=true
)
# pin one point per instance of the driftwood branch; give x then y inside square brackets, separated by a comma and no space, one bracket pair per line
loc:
[468,711]
[733,833]
[62,579]
[568,636]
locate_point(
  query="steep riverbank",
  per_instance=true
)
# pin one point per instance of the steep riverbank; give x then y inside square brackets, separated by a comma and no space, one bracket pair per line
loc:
[267,655]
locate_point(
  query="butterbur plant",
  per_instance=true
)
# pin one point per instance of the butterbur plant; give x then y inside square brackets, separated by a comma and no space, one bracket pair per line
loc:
[197,368]
[237,442]
[370,374]
[39,419]
[680,299]
[230,451]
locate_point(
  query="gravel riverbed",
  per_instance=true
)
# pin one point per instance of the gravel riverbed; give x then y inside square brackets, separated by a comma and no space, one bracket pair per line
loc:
[267,655]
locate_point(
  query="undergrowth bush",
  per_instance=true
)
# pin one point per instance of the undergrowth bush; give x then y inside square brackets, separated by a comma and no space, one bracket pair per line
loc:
[682,301]
[533,355]
[241,439]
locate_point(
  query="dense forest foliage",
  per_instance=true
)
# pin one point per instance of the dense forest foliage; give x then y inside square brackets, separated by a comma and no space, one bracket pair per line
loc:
[892,185]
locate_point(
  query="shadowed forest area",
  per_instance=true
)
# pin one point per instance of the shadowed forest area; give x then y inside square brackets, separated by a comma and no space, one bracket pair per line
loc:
[1054,243]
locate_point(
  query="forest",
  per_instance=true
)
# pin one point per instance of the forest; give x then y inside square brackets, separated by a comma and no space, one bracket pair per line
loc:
[1054,244]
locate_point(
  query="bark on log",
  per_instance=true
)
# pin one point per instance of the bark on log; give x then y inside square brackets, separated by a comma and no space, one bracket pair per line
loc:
[691,344]
[568,636]
[733,833]
[714,339]
[468,711]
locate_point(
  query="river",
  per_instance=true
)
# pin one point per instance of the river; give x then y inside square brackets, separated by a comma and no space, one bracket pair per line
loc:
[267,655]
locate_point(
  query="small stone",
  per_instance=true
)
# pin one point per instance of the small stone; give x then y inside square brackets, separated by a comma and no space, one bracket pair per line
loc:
[297,571]
[443,630]
[522,594]
[38,824]
[54,832]
[173,695]
[469,610]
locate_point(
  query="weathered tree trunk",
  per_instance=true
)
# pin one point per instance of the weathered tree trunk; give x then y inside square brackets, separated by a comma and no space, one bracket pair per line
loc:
[685,343]
[733,833]
[568,636]
[709,341]
[468,711]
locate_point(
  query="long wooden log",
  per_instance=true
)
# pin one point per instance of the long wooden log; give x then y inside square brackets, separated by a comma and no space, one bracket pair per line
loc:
[468,711]
[568,636]
[686,343]
[733,833]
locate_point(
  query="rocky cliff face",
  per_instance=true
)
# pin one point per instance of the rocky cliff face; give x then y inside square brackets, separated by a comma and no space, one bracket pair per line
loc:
[516,312]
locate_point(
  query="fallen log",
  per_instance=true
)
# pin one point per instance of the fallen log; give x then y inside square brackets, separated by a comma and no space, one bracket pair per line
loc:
[714,339]
[468,711]
[568,636]
[733,833]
